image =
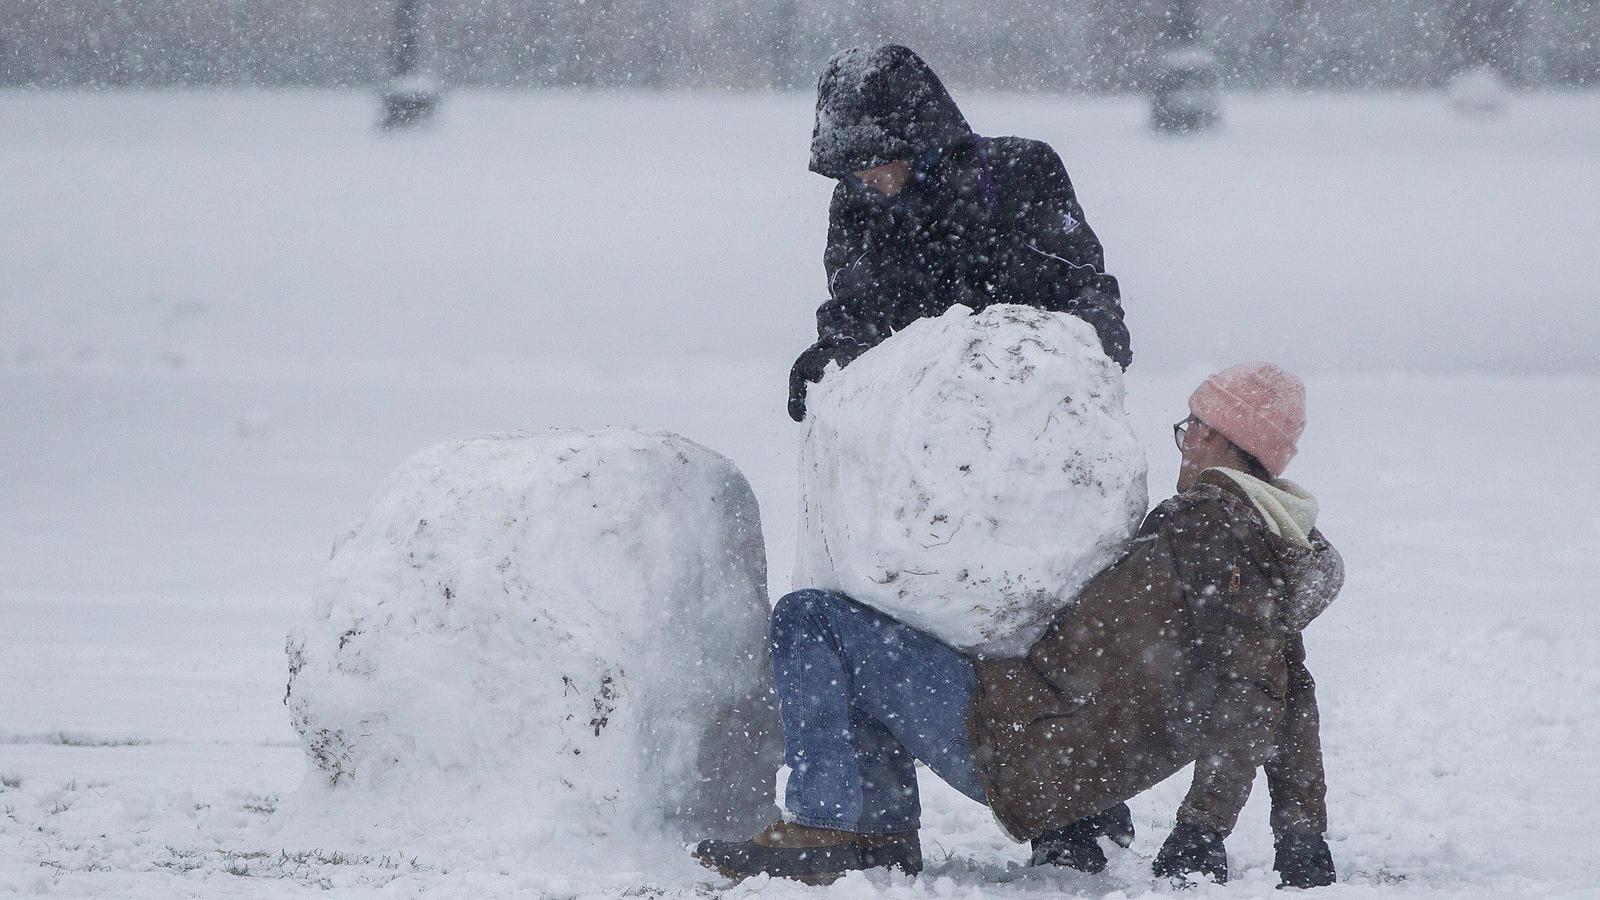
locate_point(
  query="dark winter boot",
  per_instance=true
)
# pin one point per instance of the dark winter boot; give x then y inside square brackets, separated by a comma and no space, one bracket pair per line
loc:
[1303,860]
[1189,849]
[811,855]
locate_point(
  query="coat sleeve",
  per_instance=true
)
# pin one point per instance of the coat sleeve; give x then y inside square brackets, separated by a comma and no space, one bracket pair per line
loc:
[1053,258]
[1241,647]
[864,288]
[1295,776]
[1314,577]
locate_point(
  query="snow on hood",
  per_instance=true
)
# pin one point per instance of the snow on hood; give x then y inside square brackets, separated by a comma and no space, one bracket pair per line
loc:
[877,105]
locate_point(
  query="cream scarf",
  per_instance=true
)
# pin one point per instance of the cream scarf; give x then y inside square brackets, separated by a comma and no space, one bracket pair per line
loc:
[1288,509]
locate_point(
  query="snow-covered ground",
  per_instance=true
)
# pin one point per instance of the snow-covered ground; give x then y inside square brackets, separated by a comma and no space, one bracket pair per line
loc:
[225,317]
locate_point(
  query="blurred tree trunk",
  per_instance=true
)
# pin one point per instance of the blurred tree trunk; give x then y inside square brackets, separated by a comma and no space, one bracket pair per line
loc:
[1125,35]
[1186,96]
[1181,24]
[1581,63]
[407,38]
[1282,54]
[1489,34]
[783,44]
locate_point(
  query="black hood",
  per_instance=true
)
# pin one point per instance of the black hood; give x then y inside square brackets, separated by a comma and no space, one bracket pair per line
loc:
[877,105]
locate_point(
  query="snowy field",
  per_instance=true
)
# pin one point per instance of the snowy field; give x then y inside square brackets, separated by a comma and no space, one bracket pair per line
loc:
[224,318]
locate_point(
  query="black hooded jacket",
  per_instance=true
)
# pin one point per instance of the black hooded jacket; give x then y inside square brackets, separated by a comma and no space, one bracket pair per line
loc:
[984,220]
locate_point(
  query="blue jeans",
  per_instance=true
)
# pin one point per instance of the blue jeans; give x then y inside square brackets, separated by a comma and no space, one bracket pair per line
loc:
[860,695]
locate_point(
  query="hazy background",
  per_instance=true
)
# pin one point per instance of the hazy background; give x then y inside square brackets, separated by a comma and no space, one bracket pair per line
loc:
[230,303]
[1065,45]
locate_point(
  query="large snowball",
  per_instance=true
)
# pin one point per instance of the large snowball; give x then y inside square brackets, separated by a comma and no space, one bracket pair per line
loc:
[969,474]
[563,630]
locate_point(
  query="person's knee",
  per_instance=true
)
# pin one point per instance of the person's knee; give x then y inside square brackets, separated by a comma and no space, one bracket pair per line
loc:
[802,612]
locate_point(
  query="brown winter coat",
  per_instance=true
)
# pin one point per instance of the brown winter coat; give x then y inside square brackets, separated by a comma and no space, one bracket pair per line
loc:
[1187,650]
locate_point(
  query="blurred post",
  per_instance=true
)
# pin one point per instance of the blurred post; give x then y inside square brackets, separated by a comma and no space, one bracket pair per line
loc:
[1186,96]
[411,96]
[1487,36]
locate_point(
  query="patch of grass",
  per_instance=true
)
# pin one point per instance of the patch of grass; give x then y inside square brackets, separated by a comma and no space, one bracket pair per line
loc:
[63,738]
[181,861]
[10,780]
[262,804]
[309,867]
[1378,876]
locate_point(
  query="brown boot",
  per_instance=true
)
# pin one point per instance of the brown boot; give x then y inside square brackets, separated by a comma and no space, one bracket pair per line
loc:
[811,855]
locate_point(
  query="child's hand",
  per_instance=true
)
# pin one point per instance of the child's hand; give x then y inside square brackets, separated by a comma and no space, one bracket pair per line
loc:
[1192,848]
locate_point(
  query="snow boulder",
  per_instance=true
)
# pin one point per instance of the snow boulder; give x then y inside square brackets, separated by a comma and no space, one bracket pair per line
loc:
[969,474]
[565,631]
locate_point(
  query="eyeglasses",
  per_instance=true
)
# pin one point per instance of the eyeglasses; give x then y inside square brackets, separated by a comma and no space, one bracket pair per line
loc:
[1180,429]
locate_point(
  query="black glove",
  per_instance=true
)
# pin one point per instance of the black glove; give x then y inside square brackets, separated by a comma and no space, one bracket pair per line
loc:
[1303,860]
[1192,848]
[807,370]
[1116,823]
[1106,317]
[1073,846]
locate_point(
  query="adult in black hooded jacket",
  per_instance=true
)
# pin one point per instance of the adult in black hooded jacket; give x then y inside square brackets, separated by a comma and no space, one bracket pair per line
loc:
[979,221]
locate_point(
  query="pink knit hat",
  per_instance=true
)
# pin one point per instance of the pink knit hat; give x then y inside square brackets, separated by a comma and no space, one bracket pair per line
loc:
[1259,407]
